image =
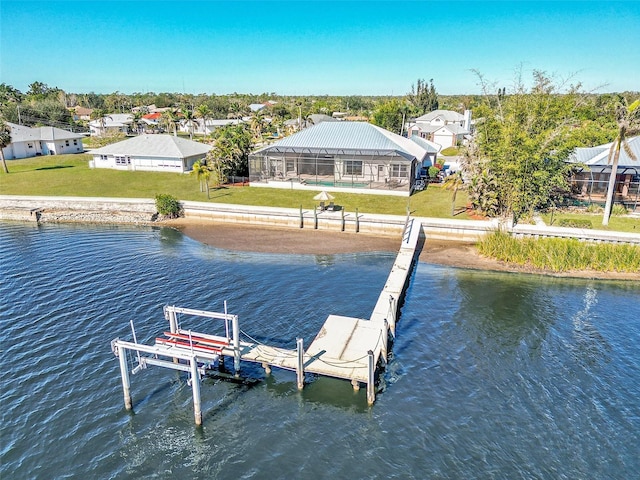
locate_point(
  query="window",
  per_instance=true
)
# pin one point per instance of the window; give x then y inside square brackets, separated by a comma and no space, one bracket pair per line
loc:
[103,157]
[122,160]
[75,142]
[30,145]
[399,170]
[353,167]
[66,142]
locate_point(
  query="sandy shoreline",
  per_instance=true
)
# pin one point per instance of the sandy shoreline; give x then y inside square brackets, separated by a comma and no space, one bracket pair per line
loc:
[251,238]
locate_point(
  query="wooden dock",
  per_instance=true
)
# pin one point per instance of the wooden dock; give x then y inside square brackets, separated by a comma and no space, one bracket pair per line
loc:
[345,347]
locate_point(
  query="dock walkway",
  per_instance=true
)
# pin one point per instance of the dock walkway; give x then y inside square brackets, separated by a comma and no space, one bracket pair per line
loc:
[345,347]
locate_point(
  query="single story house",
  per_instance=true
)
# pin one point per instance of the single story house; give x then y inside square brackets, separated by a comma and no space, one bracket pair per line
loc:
[342,156]
[112,123]
[592,182]
[158,153]
[29,142]
[444,127]
[208,127]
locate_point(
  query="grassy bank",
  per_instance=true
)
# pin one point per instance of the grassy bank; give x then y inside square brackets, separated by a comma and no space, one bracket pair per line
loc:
[561,255]
[70,175]
[616,223]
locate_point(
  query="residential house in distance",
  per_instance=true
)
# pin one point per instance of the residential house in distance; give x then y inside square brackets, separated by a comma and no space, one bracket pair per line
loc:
[81,113]
[444,127]
[208,127]
[591,183]
[157,153]
[342,156]
[29,142]
[111,123]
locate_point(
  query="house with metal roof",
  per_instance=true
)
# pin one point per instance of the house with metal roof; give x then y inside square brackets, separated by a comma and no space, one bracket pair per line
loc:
[342,156]
[158,153]
[29,142]
[591,177]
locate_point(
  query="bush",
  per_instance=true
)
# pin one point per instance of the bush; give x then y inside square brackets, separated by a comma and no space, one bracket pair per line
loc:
[618,209]
[433,172]
[168,206]
[575,223]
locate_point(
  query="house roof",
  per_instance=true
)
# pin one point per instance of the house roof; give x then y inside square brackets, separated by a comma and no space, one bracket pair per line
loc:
[350,138]
[430,147]
[446,115]
[454,128]
[599,156]
[165,146]
[114,120]
[20,133]
[152,116]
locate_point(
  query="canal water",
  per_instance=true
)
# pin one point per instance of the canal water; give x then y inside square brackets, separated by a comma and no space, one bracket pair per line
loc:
[492,375]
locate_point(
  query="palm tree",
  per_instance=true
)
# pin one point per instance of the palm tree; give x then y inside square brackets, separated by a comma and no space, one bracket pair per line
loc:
[453,182]
[100,114]
[189,119]
[628,118]
[202,172]
[169,120]
[5,140]
[203,112]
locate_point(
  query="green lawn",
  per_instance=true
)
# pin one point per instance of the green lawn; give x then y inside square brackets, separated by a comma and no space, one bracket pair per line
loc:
[70,175]
[616,223]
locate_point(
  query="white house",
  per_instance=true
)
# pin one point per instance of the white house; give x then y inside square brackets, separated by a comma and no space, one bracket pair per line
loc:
[159,153]
[28,142]
[206,128]
[444,127]
[112,123]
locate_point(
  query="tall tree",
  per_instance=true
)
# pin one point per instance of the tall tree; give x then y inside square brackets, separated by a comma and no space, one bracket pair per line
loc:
[190,119]
[389,115]
[5,140]
[423,97]
[628,119]
[522,145]
[204,113]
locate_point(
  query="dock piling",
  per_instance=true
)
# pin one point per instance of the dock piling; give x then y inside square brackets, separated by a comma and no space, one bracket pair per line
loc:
[371,393]
[124,371]
[195,387]
[300,364]
[236,344]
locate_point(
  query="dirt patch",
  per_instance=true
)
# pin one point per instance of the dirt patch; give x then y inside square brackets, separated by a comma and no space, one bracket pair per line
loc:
[251,238]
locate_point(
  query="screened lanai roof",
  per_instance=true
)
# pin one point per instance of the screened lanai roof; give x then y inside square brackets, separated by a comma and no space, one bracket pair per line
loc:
[599,156]
[347,138]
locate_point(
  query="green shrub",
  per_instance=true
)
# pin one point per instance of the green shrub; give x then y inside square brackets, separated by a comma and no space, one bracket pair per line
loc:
[618,209]
[575,223]
[168,206]
[433,172]
[594,208]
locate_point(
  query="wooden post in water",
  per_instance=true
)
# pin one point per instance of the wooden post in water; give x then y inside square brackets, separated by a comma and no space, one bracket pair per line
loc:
[371,393]
[195,387]
[300,364]
[124,371]
[385,341]
[236,345]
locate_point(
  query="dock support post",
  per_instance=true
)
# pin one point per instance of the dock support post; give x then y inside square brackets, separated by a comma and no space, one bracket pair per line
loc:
[385,341]
[342,212]
[371,393]
[301,217]
[315,218]
[173,321]
[236,345]
[357,221]
[124,371]
[195,387]
[300,364]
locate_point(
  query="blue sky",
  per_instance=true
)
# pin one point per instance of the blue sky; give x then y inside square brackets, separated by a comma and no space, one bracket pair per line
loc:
[314,48]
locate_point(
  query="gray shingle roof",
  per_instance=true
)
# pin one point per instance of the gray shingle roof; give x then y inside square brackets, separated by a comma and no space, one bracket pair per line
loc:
[447,115]
[348,137]
[164,146]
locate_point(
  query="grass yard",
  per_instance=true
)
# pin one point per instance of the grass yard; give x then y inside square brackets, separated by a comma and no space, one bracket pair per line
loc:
[616,223]
[70,175]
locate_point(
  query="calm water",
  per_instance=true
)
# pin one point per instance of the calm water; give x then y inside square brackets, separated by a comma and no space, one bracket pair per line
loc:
[492,376]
